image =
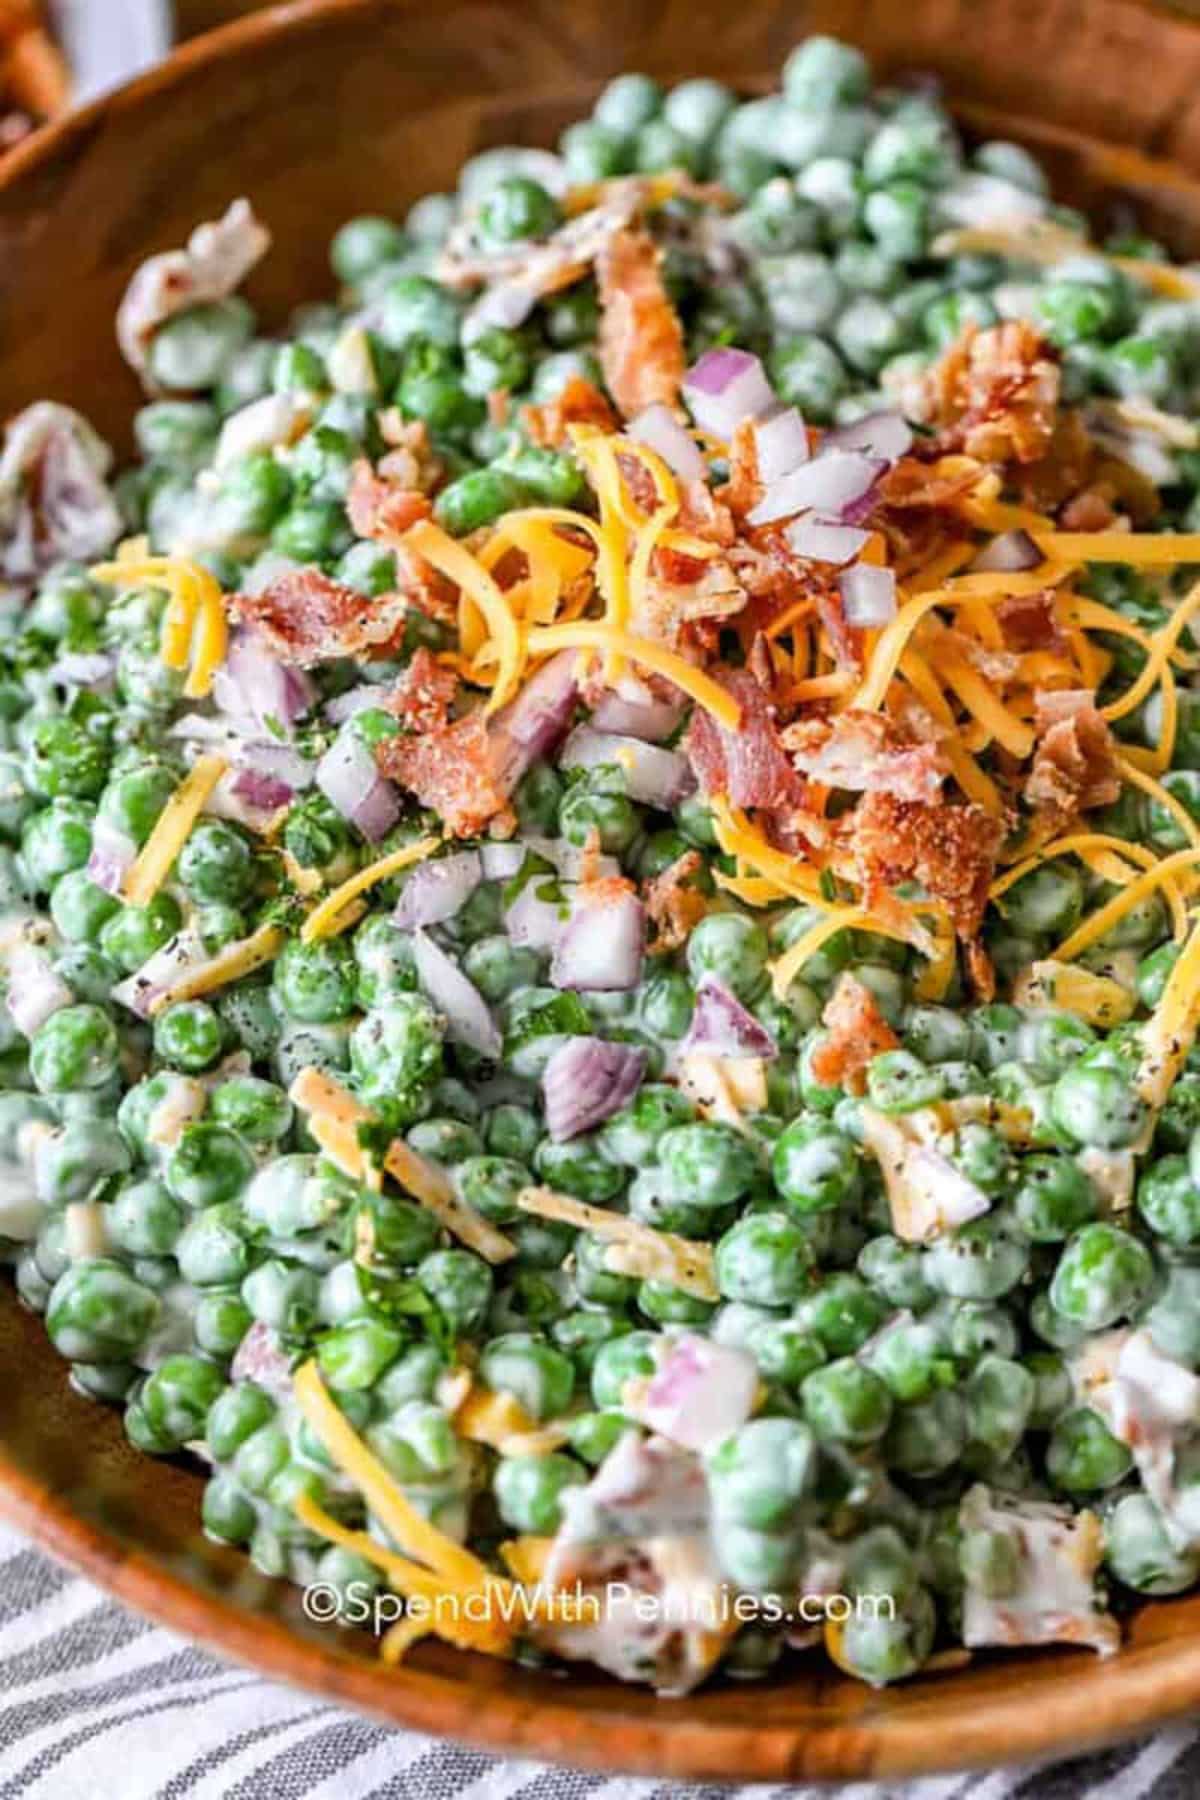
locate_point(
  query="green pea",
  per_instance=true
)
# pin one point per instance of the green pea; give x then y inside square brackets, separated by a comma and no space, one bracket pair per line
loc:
[587,812]
[511,1131]
[99,1313]
[491,1184]
[822,73]
[815,1166]
[193,348]
[626,1358]
[1102,1275]
[363,245]
[732,947]
[77,1047]
[1097,1105]
[226,1512]
[221,1321]
[594,1434]
[315,983]
[761,1474]
[213,1249]
[131,937]
[842,1313]
[144,1220]
[539,1377]
[846,1403]
[1140,1553]
[258,1111]
[706,1163]
[396,1047]
[926,1437]
[765,1259]
[189,1034]
[910,1357]
[208,1165]
[477,499]
[529,1490]
[356,1354]
[177,1395]
[461,1285]
[283,1295]
[1054,1198]
[217,862]
[983,1260]
[999,1395]
[56,840]
[897,1270]
[592,152]
[1083,1455]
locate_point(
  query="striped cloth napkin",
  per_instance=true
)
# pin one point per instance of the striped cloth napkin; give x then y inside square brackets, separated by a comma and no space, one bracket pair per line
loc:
[96,1704]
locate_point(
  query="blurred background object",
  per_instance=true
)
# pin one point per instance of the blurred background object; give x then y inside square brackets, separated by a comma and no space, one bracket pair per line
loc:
[34,83]
[106,41]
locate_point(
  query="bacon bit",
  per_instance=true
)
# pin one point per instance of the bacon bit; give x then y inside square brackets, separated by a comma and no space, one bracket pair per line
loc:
[949,849]
[306,618]
[911,484]
[449,769]
[1075,763]
[857,1033]
[215,261]
[1067,465]
[674,904]
[866,752]
[1030,622]
[423,694]
[641,339]
[744,490]
[579,402]
[701,513]
[994,394]
[379,509]
[748,765]
[846,641]
[706,591]
[981,972]
[499,406]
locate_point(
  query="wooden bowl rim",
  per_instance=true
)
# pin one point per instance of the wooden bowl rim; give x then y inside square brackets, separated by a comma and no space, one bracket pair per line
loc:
[1148,1686]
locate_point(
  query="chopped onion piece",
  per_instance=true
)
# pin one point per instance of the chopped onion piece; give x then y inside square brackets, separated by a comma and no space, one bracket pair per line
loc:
[884,434]
[603,944]
[501,861]
[259,788]
[534,922]
[355,700]
[724,388]
[113,854]
[1007,554]
[35,988]
[586,1080]
[659,429]
[722,1026]
[468,1020]
[437,891]
[531,725]
[780,444]
[349,779]
[653,776]
[634,710]
[825,540]
[84,668]
[868,595]
[831,483]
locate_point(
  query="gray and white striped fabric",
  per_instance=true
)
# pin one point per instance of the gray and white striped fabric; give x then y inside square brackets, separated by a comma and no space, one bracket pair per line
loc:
[95,1703]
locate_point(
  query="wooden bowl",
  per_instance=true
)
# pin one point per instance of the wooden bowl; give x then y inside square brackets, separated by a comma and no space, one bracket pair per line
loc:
[319,110]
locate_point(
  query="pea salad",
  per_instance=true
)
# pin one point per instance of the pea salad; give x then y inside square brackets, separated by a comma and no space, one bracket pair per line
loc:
[600,842]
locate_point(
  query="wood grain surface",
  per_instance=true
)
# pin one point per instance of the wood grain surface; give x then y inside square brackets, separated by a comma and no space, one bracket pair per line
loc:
[319,109]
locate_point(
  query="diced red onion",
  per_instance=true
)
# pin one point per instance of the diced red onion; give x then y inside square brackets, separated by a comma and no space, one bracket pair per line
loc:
[831,483]
[534,923]
[257,691]
[700,1393]
[884,434]
[84,668]
[653,776]
[501,861]
[531,725]
[634,710]
[825,540]
[349,779]
[35,988]
[468,1020]
[725,387]
[868,595]
[140,990]
[436,891]
[722,1026]
[659,429]
[780,445]
[113,854]
[603,944]
[354,700]
[1007,554]
[587,1080]
[259,788]
[262,1359]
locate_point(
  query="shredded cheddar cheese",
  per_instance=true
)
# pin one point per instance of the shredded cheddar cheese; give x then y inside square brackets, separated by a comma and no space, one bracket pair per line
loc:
[593,635]
[154,861]
[1170,1032]
[194,628]
[229,964]
[334,1117]
[661,1255]
[331,916]
[455,561]
[1100,922]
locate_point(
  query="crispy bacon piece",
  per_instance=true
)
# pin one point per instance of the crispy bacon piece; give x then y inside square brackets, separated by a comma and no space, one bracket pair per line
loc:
[694,592]
[866,752]
[382,509]
[1030,622]
[674,904]
[994,394]
[857,1032]
[950,849]
[424,693]
[748,765]
[1075,761]
[450,769]
[1088,511]
[579,402]
[218,257]
[55,501]
[641,339]
[744,490]
[306,618]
